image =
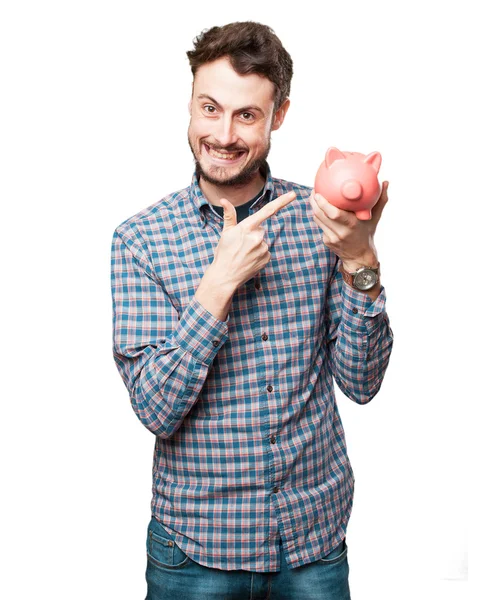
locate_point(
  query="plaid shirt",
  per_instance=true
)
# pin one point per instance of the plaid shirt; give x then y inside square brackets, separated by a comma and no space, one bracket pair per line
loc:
[250,447]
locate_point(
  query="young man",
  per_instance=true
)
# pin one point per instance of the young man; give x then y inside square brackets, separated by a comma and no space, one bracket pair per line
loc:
[232,312]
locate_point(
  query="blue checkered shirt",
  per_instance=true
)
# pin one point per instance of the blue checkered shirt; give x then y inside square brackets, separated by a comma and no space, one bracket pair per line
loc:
[250,448]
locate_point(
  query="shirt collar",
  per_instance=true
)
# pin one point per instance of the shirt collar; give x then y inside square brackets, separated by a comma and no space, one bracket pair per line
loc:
[200,201]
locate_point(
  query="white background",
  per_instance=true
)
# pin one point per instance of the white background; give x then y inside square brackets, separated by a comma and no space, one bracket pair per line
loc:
[93,129]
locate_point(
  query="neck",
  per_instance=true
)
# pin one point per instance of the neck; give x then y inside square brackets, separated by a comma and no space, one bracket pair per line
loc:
[237,195]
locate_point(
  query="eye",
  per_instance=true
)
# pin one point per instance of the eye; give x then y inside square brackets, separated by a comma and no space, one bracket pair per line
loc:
[208,106]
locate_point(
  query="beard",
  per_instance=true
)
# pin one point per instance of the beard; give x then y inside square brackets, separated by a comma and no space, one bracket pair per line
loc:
[243,177]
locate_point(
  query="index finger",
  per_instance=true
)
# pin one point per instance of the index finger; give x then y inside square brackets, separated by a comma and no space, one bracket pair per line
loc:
[268,211]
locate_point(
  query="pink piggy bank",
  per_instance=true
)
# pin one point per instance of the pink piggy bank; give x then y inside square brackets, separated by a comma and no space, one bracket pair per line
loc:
[349,181]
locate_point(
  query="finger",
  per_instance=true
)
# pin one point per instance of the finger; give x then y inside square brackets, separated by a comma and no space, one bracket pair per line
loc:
[325,227]
[229,214]
[267,211]
[333,213]
[258,234]
[326,231]
[317,211]
[337,228]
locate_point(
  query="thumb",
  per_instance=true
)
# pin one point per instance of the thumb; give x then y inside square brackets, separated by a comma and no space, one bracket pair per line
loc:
[229,214]
[381,203]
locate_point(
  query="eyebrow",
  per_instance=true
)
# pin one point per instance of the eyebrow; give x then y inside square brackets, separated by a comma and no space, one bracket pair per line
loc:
[250,107]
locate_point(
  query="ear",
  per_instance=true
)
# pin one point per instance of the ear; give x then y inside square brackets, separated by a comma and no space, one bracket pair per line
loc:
[374,159]
[333,154]
[280,115]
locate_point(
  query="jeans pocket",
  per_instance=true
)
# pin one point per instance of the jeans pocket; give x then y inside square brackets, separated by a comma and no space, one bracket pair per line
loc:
[161,548]
[336,555]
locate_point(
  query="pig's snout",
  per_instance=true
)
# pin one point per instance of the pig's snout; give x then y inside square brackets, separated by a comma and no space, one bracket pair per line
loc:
[352,189]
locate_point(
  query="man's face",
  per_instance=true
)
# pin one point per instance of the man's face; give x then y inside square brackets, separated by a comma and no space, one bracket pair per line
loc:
[237,116]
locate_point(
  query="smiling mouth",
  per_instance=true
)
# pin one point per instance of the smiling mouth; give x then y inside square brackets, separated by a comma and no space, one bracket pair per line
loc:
[224,156]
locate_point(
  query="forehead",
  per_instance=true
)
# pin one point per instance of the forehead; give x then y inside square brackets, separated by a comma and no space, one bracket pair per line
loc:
[220,81]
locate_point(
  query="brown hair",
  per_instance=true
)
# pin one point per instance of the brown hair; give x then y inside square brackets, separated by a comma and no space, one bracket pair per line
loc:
[252,48]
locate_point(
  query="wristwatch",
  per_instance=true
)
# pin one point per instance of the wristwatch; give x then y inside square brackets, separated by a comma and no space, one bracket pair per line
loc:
[362,279]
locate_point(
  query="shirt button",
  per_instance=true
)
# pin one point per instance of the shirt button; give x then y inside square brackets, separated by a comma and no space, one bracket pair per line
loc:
[273,439]
[257,285]
[264,336]
[355,311]
[276,489]
[270,388]
[215,343]
[170,543]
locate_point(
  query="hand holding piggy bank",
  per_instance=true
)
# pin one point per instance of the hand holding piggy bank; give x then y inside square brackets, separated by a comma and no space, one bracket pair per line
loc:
[349,181]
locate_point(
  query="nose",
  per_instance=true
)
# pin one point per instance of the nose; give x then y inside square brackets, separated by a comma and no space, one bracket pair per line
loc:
[225,133]
[352,189]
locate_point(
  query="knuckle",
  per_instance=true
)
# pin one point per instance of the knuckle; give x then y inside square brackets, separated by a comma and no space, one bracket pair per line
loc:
[335,239]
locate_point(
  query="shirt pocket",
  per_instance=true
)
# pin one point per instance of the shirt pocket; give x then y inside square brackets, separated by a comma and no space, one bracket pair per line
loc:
[299,292]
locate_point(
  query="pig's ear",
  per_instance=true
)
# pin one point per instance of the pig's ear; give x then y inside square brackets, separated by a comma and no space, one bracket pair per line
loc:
[333,154]
[374,159]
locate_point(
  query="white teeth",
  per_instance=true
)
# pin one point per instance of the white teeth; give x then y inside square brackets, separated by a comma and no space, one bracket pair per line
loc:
[220,155]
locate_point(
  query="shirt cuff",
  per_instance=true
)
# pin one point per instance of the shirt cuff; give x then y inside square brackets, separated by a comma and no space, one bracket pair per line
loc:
[360,313]
[200,333]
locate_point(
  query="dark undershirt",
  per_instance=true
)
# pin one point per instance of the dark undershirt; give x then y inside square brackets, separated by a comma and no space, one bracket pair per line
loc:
[241,211]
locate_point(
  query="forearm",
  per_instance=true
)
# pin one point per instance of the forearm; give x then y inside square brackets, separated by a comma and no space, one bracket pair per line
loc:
[166,381]
[361,337]
[214,294]
[182,377]
[361,357]
[163,356]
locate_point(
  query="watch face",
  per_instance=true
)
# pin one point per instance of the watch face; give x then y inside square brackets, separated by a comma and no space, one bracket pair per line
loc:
[365,280]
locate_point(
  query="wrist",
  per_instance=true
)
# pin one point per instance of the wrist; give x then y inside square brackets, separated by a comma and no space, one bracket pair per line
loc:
[357,276]
[217,282]
[374,292]
[368,260]
[214,296]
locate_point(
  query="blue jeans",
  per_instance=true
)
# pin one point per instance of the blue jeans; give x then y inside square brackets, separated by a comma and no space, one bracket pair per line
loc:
[172,575]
